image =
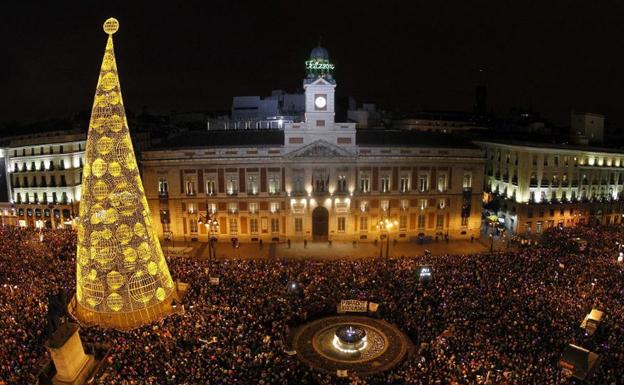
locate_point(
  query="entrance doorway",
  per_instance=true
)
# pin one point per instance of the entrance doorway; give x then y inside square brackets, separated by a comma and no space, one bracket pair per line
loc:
[320,224]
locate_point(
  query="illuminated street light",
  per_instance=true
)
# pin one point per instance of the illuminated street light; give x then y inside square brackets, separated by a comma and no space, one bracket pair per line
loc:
[386,225]
[212,225]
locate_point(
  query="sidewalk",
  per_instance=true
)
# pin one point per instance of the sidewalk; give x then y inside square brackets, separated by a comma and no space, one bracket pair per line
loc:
[321,250]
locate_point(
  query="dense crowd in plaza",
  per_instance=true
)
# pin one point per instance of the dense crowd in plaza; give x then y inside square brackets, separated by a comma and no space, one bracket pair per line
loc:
[509,314]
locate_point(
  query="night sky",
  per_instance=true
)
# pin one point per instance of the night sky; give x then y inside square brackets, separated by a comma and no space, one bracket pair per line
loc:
[404,55]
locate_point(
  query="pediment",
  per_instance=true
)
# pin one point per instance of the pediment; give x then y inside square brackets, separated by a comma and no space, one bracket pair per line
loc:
[320,149]
[321,82]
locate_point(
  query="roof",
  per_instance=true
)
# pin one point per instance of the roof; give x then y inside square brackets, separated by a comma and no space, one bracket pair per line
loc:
[223,138]
[561,146]
[275,138]
[405,138]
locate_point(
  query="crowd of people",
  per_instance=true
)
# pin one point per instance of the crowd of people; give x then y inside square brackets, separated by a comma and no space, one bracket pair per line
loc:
[503,317]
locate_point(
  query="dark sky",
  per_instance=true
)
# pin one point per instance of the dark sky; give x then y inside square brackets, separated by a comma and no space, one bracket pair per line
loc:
[553,56]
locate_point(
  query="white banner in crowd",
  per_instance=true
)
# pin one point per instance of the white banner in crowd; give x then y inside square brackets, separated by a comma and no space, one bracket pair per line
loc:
[214,280]
[356,306]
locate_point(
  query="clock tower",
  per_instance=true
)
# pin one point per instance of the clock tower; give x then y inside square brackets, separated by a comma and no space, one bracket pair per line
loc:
[319,86]
[319,125]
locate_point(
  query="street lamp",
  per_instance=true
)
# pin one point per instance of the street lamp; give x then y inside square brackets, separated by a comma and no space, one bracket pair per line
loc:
[212,225]
[386,225]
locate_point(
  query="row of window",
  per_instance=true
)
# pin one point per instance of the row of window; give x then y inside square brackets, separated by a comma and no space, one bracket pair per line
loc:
[42,151]
[42,167]
[557,160]
[43,181]
[274,207]
[34,198]
[273,224]
[585,193]
[320,184]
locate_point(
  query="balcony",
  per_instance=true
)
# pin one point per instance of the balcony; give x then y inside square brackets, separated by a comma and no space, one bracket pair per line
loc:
[320,192]
[298,193]
[252,192]
[163,195]
[232,193]
[533,183]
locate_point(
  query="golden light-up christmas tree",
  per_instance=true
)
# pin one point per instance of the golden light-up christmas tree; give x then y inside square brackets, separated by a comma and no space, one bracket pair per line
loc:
[122,278]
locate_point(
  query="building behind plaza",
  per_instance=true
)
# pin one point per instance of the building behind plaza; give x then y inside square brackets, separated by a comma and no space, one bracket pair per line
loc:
[281,167]
[314,179]
[535,186]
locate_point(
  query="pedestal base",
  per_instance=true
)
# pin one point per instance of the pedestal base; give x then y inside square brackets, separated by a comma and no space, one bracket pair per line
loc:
[129,320]
[73,366]
[81,377]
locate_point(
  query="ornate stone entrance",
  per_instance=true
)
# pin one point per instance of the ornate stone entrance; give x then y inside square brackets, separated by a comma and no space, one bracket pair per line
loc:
[320,224]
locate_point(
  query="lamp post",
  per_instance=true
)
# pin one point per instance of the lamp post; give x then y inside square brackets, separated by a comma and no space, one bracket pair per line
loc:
[212,225]
[386,225]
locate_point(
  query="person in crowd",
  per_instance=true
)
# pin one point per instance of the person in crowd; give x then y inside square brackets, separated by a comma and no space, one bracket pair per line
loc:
[504,317]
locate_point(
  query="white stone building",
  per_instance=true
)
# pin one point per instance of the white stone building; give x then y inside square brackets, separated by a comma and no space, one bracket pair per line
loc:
[543,185]
[314,180]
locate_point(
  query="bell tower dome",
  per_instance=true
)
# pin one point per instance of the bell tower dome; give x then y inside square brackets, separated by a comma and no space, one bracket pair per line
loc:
[319,86]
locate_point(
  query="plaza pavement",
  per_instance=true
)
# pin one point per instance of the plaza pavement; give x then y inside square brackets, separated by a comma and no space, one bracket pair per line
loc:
[322,250]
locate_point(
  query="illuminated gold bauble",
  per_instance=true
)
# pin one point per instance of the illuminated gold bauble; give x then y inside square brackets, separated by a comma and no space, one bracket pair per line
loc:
[104,145]
[114,169]
[108,81]
[152,268]
[115,280]
[115,302]
[111,216]
[142,287]
[99,167]
[112,98]
[111,25]
[130,255]
[109,62]
[100,190]
[124,234]
[160,294]
[105,252]
[97,213]
[93,292]
[144,251]
[116,123]
[139,230]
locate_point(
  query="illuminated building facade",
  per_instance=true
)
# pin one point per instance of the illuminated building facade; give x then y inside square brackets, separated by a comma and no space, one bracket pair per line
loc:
[122,277]
[314,180]
[539,186]
[44,173]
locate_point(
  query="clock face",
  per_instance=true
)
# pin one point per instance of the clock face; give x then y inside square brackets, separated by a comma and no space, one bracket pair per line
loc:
[320,102]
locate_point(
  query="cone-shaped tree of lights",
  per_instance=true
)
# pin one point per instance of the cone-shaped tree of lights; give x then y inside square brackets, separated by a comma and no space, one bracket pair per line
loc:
[122,278]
